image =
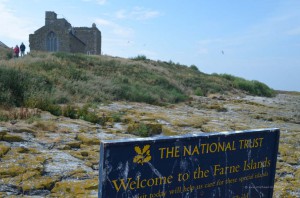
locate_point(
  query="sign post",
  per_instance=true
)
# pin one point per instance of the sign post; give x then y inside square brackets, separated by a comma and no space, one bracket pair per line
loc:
[238,164]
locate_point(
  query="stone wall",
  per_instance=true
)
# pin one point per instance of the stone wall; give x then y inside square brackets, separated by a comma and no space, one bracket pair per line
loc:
[91,37]
[61,28]
[50,17]
[76,45]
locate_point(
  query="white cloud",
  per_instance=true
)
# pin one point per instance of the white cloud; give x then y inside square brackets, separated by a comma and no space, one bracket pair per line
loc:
[118,30]
[100,2]
[16,28]
[137,13]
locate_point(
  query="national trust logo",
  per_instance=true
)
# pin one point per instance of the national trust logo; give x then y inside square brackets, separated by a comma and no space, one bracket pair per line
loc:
[143,155]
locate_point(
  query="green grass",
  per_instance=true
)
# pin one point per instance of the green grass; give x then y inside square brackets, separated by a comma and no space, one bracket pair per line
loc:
[139,57]
[17,86]
[6,53]
[252,87]
[47,80]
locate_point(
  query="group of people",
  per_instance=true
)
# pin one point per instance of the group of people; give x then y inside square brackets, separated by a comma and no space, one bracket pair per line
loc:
[18,49]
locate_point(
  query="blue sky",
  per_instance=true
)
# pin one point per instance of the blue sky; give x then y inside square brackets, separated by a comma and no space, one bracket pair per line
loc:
[260,38]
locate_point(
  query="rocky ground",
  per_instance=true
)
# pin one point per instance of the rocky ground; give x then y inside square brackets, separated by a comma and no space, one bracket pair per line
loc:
[42,155]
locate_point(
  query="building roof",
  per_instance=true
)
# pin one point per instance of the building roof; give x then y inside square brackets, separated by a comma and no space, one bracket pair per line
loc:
[3,45]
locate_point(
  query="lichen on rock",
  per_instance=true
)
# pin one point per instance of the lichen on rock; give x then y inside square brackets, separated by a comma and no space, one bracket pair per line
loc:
[4,148]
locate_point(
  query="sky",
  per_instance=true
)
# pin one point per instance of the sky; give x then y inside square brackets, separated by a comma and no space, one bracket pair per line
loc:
[252,39]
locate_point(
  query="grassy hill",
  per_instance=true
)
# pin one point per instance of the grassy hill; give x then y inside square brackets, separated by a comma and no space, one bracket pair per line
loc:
[5,53]
[46,79]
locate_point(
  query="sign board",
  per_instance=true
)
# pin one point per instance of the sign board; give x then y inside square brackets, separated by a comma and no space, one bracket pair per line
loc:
[227,164]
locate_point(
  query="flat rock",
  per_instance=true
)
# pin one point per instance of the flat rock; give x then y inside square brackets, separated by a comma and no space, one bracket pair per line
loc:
[58,157]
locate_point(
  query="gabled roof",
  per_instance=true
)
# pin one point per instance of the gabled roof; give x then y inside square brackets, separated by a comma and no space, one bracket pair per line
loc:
[3,45]
[53,24]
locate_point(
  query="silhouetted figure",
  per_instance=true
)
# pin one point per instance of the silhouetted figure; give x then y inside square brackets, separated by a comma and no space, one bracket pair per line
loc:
[17,51]
[22,49]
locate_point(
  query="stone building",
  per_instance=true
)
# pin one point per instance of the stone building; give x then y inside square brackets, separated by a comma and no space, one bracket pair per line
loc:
[59,35]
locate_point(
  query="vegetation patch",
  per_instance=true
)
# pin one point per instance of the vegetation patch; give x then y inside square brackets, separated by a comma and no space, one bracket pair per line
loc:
[252,87]
[6,53]
[44,80]
[144,129]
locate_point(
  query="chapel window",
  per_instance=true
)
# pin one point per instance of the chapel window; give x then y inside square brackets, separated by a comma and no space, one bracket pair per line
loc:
[52,42]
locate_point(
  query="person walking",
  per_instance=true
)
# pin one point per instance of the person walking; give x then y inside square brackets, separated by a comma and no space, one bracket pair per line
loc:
[22,48]
[17,51]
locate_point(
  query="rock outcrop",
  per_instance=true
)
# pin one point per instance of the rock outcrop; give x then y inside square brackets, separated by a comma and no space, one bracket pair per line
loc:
[49,156]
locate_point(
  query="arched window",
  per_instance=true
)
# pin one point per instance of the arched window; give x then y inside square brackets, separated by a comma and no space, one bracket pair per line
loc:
[52,42]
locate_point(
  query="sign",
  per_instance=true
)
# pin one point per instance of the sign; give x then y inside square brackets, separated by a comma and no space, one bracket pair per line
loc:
[227,164]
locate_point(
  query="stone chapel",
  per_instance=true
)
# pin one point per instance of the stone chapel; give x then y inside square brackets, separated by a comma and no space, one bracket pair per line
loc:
[58,35]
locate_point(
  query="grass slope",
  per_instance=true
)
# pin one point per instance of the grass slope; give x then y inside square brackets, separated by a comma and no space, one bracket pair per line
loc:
[5,53]
[45,79]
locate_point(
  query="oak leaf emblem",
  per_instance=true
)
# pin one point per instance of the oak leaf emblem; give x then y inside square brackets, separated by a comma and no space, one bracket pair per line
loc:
[143,155]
